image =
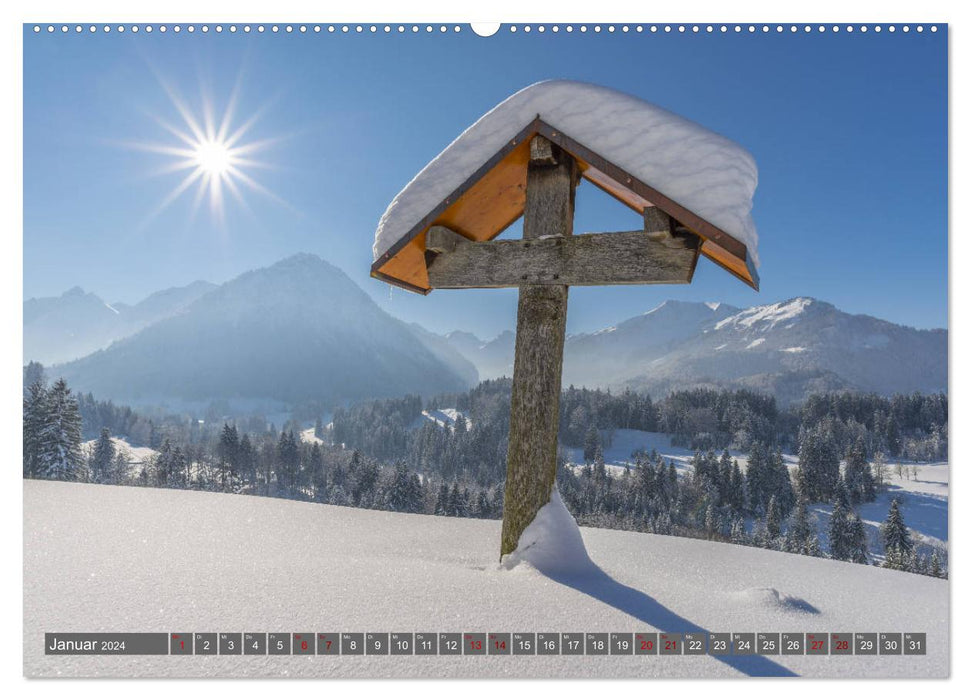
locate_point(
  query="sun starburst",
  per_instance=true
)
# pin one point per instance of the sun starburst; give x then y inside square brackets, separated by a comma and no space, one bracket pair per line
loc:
[213,155]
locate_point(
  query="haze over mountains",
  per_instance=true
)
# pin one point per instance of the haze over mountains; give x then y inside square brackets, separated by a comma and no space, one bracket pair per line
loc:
[301,330]
[789,349]
[75,324]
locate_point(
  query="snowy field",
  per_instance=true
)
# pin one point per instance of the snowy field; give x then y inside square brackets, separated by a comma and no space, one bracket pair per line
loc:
[138,455]
[109,558]
[923,502]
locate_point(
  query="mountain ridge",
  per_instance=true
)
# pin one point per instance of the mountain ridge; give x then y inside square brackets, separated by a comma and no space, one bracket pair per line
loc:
[789,348]
[298,330]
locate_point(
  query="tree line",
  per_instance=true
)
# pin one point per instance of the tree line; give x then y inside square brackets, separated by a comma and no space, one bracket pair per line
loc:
[385,455]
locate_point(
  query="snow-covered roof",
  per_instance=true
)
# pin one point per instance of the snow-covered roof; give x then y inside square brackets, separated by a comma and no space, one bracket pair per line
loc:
[700,171]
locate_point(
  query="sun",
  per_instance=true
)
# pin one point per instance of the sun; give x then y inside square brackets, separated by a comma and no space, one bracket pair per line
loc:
[214,157]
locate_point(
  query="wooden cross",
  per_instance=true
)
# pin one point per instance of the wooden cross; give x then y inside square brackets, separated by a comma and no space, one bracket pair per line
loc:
[544,264]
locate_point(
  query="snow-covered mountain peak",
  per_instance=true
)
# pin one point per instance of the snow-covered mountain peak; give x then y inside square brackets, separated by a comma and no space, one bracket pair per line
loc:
[768,316]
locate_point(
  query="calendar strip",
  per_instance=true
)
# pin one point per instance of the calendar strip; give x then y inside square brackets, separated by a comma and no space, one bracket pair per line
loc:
[486,643]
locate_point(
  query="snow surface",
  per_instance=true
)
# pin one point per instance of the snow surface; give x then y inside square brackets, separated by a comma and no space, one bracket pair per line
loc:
[442,417]
[111,558]
[708,174]
[309,437]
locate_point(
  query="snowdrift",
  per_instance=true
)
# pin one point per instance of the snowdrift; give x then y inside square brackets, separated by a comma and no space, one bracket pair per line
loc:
[108,558]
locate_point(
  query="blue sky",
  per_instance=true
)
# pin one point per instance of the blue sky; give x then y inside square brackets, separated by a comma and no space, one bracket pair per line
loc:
[849,132]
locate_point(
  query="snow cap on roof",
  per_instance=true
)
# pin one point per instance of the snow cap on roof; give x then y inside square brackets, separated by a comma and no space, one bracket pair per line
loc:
[704,172]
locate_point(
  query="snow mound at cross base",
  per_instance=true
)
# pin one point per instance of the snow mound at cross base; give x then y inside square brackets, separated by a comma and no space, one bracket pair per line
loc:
[552,543]
[703,171]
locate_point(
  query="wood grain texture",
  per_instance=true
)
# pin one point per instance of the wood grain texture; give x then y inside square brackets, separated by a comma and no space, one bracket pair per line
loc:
[537,374]
[628,257]
[440,239]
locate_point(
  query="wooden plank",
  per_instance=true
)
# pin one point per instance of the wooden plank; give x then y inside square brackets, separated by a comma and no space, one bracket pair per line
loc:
[537,373]
[590,259]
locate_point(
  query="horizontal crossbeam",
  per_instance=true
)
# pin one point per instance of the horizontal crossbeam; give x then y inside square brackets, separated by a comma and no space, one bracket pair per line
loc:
[589,259]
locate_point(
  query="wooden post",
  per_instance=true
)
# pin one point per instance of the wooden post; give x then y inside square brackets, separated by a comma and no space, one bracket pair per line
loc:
[534,418]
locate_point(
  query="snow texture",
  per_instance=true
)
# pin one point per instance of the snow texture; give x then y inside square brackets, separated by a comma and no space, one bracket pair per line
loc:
[703,171]
[552,542]
[112,558]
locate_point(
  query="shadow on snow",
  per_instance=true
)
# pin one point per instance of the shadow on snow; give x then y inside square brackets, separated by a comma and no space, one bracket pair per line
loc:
[597,584]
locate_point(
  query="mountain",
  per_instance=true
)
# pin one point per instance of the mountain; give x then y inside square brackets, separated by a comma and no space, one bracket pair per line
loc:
[493,358]
[297,330]
[77,323]
[789,349]
[163,304]
[446,354]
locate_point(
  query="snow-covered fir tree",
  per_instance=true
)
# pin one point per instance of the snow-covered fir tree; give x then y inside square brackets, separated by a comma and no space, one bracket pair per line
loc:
[819,464]
[59,442]
[801,537]
[840,545]
[857,474]
[36,415]
[102,459]
[318,474]
[773,520]
[591,444]
[858,546]
[897,544]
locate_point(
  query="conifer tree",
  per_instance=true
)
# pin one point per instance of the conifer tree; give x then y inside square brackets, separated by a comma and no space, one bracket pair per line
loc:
[738,535]
[36,415]
[819,464]
[757,479]
[441,503]
[736,489]
[711,520]
[773,520]
[59,445]
[801,536]
[228,454]
[318,477]
[840,545]
[858,476]
[102,458]
[859,549]
[896,537]
[591,444]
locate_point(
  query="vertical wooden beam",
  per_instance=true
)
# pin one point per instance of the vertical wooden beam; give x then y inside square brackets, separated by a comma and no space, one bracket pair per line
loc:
[540,333]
